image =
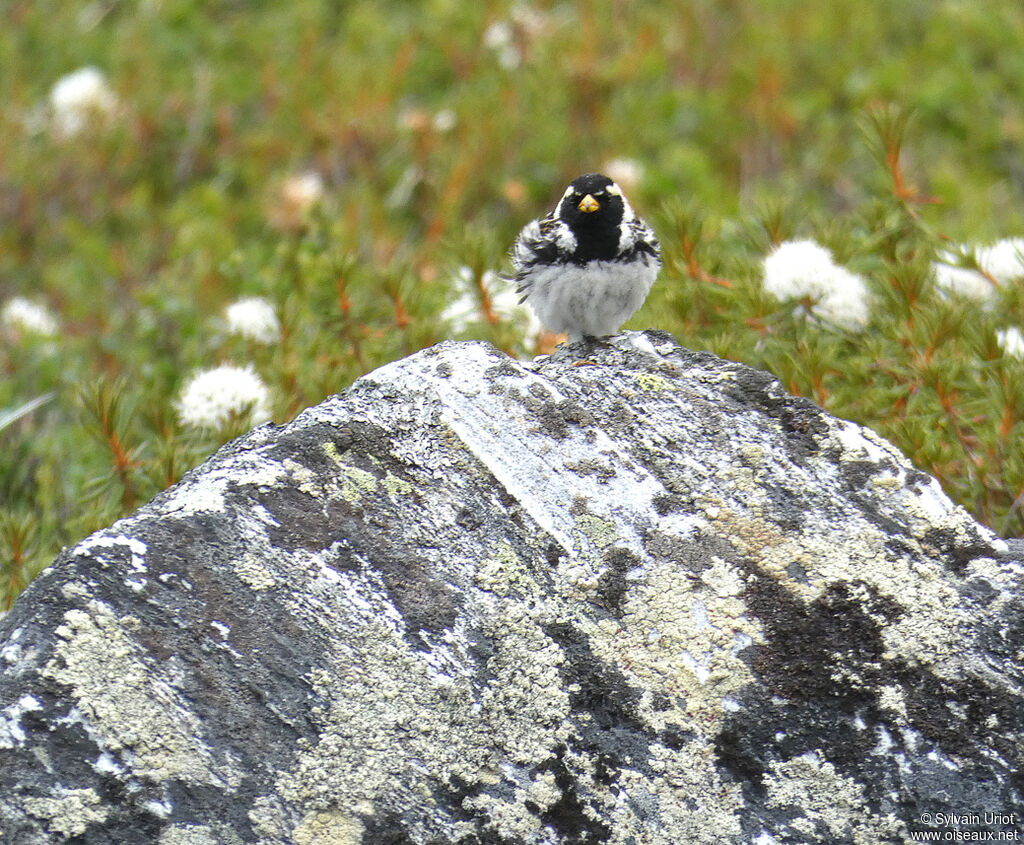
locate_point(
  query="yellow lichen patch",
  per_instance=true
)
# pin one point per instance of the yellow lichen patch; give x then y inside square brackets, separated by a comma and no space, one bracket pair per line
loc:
[594,531]
[68,812]
[254,572]
[396,486]
[811,787]
[355,482]
[125,702]
[650,381]
[329,827]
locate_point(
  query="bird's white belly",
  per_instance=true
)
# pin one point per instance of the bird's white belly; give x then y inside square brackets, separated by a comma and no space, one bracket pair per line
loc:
[595,299]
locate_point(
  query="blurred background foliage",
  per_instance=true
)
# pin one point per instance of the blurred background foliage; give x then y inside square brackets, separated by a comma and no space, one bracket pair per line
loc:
[428,133]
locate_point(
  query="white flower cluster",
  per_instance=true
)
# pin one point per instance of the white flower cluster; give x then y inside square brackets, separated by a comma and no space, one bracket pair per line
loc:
[79,97]
[507,38]
[998,264]
[627,173]
[501,297]
[1003,260]
[214,397]
[27,317]
[255,319]
[1011,341]
[963,281]
[806,270]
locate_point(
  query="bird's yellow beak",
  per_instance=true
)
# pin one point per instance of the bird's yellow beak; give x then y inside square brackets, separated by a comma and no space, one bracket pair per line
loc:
[588,204]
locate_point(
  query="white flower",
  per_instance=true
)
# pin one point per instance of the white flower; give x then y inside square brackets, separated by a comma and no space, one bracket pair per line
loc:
[499,37]
[445,120]
[962,281]
[626,172]
[297,195]
[494,299]
[805,269]
[303,190]
[212,398]
[1011,341]
[254,318]
[25,316]
[1003,261]
[79,96]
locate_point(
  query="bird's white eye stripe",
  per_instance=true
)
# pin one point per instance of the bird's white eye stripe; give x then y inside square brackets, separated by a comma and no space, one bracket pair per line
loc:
[614,189]
[568,192]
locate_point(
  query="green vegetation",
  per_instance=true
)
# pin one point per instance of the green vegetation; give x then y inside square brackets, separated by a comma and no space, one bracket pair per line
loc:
[435,130]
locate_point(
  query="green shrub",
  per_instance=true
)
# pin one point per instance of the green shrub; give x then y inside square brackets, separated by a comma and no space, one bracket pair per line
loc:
[363,167]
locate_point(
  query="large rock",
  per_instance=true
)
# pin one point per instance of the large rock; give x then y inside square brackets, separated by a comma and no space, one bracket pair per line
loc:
[644,597]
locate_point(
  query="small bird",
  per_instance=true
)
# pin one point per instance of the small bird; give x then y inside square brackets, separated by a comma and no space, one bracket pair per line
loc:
[587,266]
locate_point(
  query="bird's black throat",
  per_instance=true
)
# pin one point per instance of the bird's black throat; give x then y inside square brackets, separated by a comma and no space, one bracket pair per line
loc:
[596,233]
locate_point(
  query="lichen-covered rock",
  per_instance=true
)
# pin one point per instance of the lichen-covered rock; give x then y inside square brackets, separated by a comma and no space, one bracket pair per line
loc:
[643,597]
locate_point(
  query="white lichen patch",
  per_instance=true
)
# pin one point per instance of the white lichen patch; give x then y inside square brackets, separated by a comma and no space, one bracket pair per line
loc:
[328,827]
[862,444]
[592,535]
[511,819]
[891,698]
[503,574]
[206,492]
[693,771]
[199,834]
[931,627]
[124,702]
[676,637]
[1001,578]
[379,711]
[75,592]
[820,797]
[923,506]
[525,708]
[67,812]
[394,718]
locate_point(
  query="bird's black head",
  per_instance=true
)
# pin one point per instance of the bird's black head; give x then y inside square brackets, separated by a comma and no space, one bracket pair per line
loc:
[593,207]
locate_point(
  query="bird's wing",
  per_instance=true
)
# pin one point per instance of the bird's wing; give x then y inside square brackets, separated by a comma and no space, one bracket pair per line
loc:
[538,243]
[643,238]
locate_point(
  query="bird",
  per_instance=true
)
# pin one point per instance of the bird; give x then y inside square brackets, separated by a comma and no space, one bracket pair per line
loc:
[586,267]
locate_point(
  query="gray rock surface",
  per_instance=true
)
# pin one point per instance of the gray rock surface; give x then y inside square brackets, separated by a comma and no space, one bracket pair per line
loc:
[645,597]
